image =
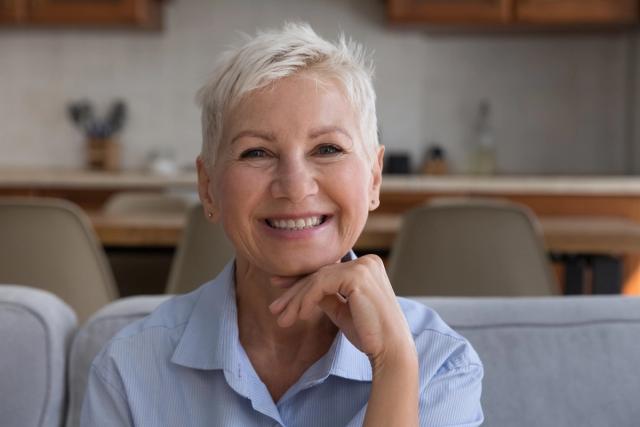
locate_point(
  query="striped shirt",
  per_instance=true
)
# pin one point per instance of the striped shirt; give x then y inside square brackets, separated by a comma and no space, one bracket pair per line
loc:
[184,365]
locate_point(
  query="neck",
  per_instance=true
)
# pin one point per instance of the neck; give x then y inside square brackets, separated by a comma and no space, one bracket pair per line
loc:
[255,290]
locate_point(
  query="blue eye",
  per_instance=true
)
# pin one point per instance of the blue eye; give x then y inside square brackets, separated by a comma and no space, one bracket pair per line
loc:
[253,153]
[327,150]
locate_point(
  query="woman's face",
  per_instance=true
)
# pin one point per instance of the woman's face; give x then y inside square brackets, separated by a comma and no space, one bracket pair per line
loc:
[292,183]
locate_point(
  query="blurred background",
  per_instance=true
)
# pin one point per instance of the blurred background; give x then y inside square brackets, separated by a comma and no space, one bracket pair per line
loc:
[561,94]
[533,102]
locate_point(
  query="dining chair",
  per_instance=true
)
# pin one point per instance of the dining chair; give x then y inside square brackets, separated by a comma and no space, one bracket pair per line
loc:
[50,244]
[201,254]
[470,247]
[144,271]
[36,328]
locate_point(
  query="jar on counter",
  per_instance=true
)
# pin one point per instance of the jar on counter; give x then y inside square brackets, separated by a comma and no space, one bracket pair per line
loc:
[435,161]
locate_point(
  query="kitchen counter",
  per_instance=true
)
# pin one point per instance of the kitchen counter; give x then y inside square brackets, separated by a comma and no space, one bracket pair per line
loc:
[86,179]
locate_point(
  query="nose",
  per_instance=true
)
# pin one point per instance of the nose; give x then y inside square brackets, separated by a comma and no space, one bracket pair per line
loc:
[294,179]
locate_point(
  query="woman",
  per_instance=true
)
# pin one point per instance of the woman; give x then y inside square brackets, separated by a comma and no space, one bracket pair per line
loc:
[296,331]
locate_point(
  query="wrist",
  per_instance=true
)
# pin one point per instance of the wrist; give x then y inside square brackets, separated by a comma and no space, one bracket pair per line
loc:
[396,358]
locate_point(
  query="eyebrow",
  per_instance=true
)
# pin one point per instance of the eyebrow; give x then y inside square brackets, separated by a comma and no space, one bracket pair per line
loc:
[254,134]
[328,129]
[268,136]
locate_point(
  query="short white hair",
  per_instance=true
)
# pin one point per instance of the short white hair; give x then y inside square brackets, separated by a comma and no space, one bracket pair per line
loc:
[276,54]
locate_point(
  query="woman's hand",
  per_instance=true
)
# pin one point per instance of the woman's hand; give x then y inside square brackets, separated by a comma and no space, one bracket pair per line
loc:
[358,298]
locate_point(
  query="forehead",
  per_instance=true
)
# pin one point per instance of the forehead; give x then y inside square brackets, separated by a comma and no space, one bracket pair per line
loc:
[293,104]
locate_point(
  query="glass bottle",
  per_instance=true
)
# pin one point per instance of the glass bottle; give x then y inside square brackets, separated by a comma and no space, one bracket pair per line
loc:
[483,148]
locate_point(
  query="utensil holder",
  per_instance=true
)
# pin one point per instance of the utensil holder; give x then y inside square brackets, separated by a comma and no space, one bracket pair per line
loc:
[103,154]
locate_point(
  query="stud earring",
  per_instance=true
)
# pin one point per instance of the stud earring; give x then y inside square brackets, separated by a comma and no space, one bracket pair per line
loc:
[209,214]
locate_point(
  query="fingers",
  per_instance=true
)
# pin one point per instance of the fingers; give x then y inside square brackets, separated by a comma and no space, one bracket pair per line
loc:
[279,304]
[325,291]
[329,289]
[291,312]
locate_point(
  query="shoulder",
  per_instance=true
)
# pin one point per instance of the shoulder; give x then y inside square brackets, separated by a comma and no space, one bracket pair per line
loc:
[439,347]
[151,338]
[169,315]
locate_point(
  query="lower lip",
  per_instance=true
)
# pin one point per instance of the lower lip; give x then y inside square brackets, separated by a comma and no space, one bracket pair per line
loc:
[305,233]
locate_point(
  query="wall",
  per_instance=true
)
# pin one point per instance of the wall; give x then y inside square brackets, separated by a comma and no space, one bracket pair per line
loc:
[558,100]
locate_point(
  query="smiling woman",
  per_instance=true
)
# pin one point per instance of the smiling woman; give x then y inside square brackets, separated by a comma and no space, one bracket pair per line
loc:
[296,330]
[291,154]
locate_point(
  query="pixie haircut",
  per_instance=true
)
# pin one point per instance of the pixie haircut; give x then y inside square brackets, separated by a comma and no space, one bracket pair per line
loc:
[276,54]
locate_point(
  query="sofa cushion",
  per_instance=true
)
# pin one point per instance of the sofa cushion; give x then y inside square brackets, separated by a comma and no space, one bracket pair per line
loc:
[555,361]
[35,331]
[93,335]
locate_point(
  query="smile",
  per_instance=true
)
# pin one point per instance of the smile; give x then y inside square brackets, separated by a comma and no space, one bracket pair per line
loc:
[297,223]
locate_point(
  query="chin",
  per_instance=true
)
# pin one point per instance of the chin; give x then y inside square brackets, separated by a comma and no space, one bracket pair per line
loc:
[300,266]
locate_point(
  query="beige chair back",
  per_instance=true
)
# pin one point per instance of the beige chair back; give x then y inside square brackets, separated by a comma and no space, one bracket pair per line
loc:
[146,203]
[470,247]
[50,244]
[201,254]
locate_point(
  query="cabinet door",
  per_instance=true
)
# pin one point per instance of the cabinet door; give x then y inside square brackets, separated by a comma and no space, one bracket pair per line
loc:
[144,13]
[451,12]
[13,11]
[605,12]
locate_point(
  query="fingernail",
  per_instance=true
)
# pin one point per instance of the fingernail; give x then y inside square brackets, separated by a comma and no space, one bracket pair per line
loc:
[274,305]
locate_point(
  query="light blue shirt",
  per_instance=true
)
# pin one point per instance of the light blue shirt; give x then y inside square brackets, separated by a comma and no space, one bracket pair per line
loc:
[184,365]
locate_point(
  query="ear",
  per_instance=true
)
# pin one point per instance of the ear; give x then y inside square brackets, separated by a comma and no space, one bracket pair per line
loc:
[206,193]
[376,179]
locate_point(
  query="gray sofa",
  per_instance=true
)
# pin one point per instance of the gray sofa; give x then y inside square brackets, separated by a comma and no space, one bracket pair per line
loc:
[36,328]
[555,361]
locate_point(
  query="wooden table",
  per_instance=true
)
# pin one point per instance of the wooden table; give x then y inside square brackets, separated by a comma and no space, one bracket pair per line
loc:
[599,237]
[137,231]
[592,235]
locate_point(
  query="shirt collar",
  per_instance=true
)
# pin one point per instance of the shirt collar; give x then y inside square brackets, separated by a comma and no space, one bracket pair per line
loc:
[211,335]
[211,340]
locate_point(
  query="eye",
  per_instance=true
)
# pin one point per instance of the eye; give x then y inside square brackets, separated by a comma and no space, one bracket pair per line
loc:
[328,150]
[254,153]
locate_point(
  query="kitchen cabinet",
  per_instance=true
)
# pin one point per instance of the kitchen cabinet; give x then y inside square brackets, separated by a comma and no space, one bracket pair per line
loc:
[514,13]
[12,11]
[560,12]
[86,13]
[450,12]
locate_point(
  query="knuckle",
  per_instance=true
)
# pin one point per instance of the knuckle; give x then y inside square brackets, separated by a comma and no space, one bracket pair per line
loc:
[371,263]
[362,268]
[372,260]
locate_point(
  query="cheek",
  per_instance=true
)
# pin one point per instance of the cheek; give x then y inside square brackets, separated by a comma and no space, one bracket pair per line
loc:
[351,186]
[239,190]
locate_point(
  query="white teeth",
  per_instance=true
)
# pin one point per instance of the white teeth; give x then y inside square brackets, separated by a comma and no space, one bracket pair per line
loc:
[295,224]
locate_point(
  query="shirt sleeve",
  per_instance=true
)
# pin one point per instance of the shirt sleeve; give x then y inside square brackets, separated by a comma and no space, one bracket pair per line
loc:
[104,403]
[452,397]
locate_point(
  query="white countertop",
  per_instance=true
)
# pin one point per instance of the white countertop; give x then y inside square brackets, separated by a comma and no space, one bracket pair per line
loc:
[449,184]
[85,179]
[514,184]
